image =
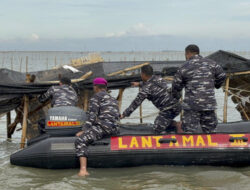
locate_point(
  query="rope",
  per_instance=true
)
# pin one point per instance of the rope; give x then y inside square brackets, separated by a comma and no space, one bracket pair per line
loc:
[154,114]
[243,98]
[239,89]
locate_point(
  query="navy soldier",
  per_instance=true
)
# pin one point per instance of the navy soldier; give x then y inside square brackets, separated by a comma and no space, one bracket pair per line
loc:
[155,89]
[103,117]
[62,95]
[199,76]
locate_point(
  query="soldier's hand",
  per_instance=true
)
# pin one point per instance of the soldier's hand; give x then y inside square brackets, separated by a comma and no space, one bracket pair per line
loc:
[135,84]
[79,133]
[121,116]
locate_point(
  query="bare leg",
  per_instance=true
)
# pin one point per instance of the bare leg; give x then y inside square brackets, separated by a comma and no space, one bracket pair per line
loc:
[178,126]
[83,167]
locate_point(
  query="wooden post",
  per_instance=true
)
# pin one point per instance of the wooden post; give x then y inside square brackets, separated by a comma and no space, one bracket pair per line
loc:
[119,98]
[25,117]
[21,64]
[226,99]
[55,61]
[27,62]
[11,63]
[140,110]
[47,62]
[8,122]
[86,99]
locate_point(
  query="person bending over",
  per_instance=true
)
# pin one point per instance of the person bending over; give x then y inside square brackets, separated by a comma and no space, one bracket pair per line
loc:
[62,95]
[155,89]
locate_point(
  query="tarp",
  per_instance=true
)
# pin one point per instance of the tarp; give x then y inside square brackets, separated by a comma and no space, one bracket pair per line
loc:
[13,86]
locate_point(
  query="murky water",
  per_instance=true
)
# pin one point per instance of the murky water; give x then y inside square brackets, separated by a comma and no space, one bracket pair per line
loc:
[150,177]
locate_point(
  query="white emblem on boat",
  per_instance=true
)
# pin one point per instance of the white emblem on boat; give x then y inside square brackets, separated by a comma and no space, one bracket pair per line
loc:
[58,118]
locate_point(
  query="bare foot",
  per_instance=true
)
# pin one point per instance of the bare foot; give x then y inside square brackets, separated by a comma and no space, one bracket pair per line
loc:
[83,173]
[178,126]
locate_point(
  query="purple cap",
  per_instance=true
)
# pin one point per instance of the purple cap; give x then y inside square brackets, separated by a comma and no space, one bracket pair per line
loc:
[102,81]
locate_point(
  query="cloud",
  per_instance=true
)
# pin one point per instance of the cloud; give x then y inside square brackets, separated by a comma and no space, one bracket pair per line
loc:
[35,37]
[138,29]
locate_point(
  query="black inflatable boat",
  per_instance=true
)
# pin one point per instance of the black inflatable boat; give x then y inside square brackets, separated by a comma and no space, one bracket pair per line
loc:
[135,146]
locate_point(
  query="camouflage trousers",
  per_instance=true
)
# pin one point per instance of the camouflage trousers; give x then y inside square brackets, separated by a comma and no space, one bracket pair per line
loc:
[91,135]
[192,120]
[165,119]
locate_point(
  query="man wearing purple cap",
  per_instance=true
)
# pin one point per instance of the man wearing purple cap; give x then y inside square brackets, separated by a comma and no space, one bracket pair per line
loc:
[103,116]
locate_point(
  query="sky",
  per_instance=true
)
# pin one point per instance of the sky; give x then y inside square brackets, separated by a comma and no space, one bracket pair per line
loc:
[87,24]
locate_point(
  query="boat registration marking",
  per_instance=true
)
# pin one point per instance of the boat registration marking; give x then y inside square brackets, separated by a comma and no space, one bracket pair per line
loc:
[63,123]
[182,141]
[62,146]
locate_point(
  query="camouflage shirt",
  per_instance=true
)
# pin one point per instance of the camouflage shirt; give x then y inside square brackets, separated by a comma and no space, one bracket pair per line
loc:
[63,95]
[156,90]
[103,110]
[199,76]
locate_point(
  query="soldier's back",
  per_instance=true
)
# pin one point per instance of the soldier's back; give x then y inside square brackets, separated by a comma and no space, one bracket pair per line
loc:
[64,95]
[199,80]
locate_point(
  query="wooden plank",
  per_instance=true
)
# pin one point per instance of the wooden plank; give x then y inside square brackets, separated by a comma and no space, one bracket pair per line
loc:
[127,69]
[24,124]
[226,99]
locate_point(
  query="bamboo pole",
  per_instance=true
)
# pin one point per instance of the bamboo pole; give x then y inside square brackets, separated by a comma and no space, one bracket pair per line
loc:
[21,64]
[244,112]
[226,99]
[82,78]
[119,98]
[86,99]
[240,73]
[24,124]
[140,110]
[27,62]
[55,61]
[47,62]
[127,69]
[11,63]
[242,108]
[8,122]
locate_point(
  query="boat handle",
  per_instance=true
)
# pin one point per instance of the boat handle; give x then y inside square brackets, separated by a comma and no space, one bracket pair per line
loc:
[232,139]
[100,143]
[162,141]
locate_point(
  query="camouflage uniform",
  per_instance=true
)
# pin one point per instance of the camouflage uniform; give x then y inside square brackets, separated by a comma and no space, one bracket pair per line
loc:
[103,115]
[156,90]
[199,76]
[63,95]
